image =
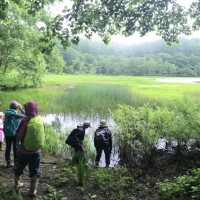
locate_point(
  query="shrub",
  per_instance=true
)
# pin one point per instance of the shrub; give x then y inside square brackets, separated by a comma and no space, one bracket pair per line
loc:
[184,187]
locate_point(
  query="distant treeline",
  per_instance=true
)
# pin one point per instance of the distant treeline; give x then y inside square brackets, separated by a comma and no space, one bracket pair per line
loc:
[147,59]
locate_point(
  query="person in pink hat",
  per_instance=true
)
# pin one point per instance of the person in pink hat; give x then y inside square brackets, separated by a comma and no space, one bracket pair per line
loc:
[1,131]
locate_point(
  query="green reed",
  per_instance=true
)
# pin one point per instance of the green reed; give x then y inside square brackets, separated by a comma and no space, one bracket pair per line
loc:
[55,142]
[96,99]
[96,94]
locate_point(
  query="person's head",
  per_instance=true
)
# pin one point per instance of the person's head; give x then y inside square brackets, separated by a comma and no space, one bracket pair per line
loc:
[86,124]
[102,122]
[14,105]
[31,109]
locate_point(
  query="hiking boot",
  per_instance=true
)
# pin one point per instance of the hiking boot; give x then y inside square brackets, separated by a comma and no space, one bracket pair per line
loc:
[1,148]
[33,186]
[18,184]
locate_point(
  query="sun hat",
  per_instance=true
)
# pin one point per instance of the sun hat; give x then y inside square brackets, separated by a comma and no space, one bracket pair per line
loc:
[14,104]
[102,122]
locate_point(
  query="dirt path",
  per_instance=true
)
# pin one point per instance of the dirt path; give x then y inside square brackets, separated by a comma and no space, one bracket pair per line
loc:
[7,174]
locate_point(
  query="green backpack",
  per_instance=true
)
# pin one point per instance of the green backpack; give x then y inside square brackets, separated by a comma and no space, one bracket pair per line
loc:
[34,138]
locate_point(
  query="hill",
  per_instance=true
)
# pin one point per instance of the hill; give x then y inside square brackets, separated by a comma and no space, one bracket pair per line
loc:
[147,59]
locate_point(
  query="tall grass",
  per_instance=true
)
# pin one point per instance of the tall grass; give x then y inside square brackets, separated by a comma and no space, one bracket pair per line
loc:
[45,97]
[55,143]
[90,93]
[96,99]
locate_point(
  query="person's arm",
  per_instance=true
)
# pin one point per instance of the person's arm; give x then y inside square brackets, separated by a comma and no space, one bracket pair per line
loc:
[19,116]
[21,110]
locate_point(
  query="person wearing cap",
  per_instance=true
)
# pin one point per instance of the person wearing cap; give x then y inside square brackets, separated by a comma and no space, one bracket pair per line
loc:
[75,140]
[1,131]
[11,122]
[103,142]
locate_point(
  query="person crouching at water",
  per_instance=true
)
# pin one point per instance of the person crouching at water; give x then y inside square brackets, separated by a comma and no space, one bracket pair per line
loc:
[75,140]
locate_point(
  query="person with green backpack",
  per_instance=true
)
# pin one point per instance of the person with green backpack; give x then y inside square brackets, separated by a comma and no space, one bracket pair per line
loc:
[11,122]
[30,134]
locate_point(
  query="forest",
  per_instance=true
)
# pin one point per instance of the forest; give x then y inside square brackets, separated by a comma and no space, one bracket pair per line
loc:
[146,59]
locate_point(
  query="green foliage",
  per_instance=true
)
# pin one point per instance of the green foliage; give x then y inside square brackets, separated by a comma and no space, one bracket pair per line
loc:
[95,99]
[54,142]
[114,183]
[23,63]
[139,129]
[20,60]
[149,59]
[136,136]
[127,17]
[82,171]
[53,194]
[184,187]
[54,61]
[108,18]
[8,194]
[185,124]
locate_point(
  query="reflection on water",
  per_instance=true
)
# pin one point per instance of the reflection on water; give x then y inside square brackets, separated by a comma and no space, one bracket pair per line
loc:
[65,123]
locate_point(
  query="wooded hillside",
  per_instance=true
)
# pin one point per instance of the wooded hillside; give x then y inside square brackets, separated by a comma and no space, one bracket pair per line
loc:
[147,59]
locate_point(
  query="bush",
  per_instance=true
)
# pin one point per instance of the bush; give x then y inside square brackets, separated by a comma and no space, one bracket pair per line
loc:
[138,130]
[185,187]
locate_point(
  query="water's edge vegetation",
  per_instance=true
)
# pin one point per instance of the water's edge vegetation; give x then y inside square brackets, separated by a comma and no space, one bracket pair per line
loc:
[142,116]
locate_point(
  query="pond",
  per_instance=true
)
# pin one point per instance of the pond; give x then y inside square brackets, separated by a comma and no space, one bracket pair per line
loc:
[66,123]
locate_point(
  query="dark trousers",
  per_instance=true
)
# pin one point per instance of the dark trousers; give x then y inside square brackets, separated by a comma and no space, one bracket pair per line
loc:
[11,140]
[33,162]
[107,154]
[79,155]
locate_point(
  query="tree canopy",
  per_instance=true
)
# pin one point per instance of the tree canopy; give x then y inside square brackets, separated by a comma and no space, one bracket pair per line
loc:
[167,18]
[24,53]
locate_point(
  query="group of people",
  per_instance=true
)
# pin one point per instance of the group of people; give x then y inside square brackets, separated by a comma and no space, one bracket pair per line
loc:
[102,141]
[24,132]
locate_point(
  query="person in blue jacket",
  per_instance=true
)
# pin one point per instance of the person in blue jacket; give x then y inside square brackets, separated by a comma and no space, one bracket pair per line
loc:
[11,122]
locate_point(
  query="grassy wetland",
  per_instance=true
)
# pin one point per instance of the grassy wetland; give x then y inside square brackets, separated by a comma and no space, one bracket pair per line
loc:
[89,93]
[143,110]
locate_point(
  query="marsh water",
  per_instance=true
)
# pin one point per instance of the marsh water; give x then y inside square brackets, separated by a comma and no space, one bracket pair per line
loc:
[65,123]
